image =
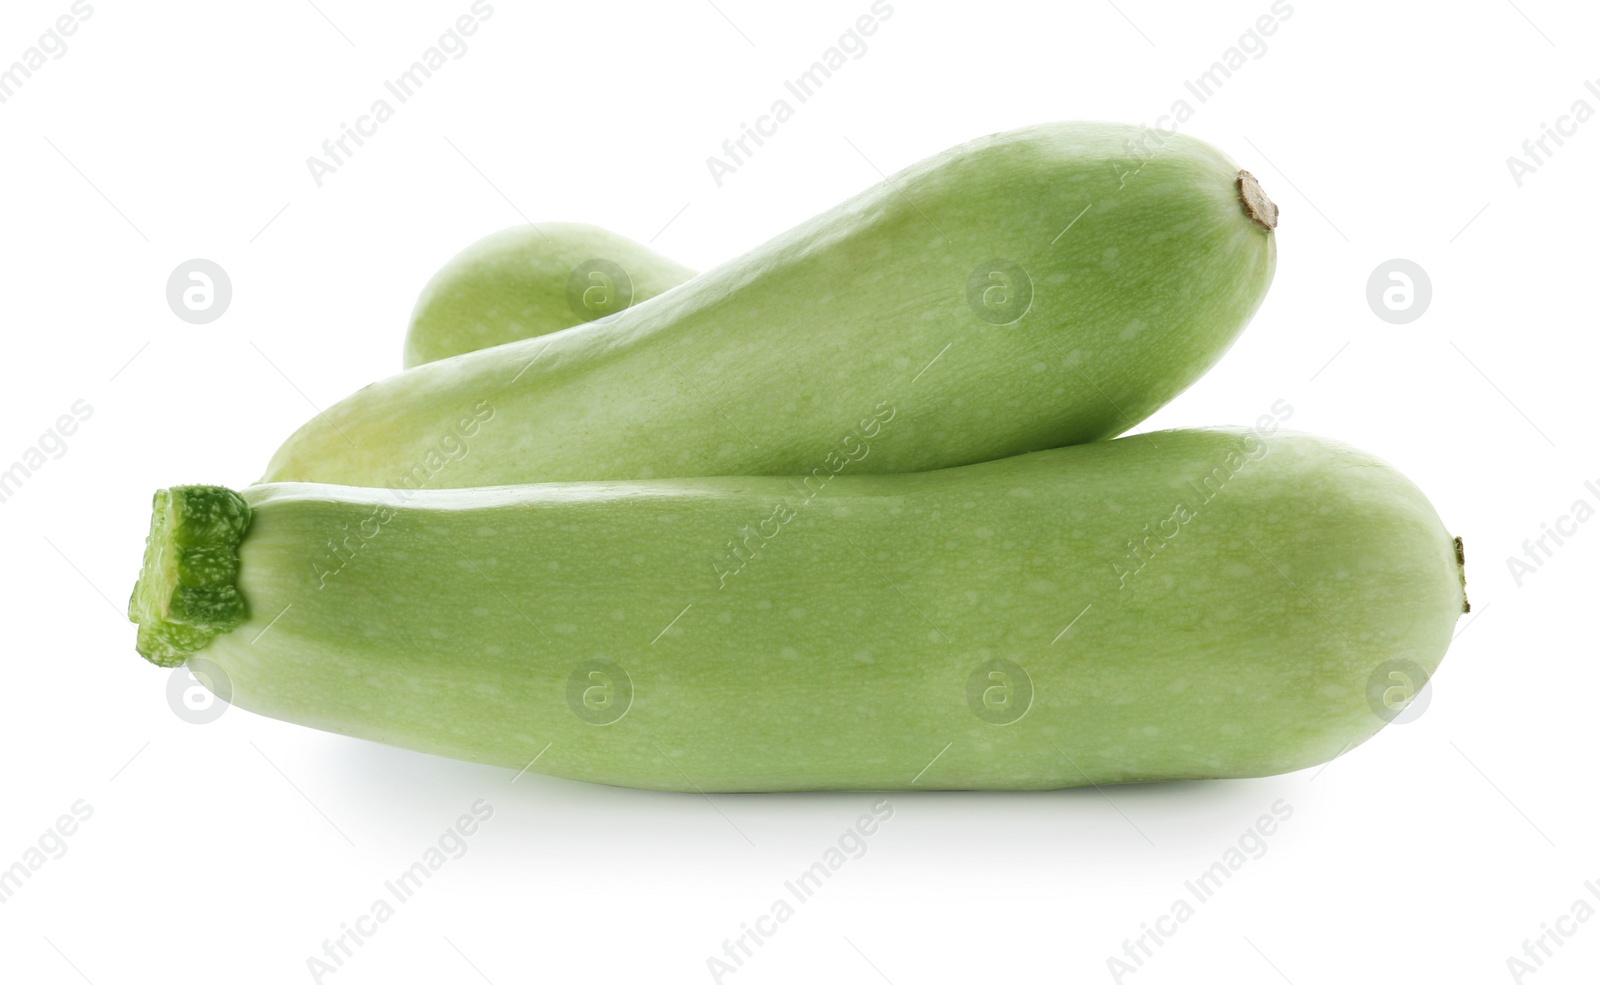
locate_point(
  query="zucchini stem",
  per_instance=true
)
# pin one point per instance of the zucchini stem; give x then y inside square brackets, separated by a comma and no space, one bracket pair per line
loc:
[1261,209]
[187,594]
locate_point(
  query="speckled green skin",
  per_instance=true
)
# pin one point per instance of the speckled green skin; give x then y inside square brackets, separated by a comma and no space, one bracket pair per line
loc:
[762,365]
[514,284]
[841,654]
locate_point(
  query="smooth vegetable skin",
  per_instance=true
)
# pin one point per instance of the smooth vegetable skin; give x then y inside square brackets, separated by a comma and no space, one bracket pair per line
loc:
[529,281]
[1028,290]
[1183,604]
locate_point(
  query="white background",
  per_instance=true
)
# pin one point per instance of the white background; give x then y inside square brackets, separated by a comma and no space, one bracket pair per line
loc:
[231,851]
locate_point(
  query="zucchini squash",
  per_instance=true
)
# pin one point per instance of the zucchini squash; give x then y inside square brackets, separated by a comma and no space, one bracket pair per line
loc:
[529,281]
[1179,605]
[1031,289]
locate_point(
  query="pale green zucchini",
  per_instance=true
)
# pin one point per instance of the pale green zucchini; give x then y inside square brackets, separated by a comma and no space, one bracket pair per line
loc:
[527,281]
[1186,604]
[1035,288]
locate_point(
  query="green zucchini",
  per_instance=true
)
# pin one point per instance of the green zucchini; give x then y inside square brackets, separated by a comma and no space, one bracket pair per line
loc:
[532,280]
[1032,289]
[1184,604]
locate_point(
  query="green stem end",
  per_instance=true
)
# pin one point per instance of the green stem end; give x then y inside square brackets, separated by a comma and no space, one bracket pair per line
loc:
[187,594]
